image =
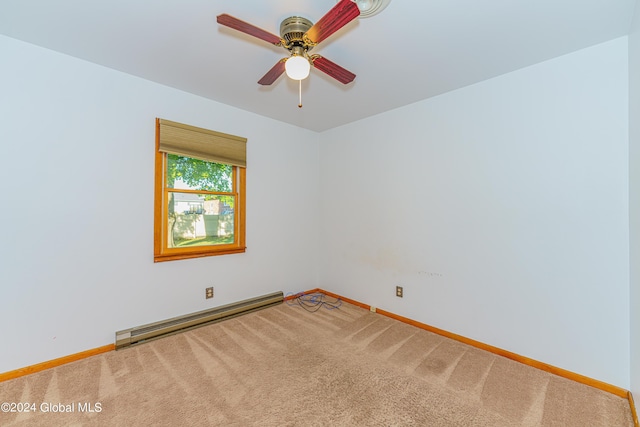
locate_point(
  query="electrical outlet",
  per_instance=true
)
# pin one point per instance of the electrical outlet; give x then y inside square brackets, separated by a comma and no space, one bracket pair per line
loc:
[208,293]
[399,291]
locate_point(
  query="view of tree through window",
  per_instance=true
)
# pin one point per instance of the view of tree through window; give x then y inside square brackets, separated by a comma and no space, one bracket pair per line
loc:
[201,202]
[199,174]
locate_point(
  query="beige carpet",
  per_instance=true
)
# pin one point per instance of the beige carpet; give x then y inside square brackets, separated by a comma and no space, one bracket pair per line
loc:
[284,366]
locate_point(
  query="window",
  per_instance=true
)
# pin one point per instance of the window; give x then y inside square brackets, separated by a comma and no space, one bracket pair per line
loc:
[199,192]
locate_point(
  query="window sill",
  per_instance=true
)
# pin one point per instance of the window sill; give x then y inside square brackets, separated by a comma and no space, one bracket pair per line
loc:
[177,256]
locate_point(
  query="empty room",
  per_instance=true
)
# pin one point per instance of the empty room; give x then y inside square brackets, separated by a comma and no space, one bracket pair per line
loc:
[336,212]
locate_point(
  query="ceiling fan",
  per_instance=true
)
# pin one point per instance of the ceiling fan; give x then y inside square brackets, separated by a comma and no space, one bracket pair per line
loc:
[299,35]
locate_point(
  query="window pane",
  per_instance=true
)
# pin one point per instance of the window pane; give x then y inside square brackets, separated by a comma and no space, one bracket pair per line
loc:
[199,220]
[194,174]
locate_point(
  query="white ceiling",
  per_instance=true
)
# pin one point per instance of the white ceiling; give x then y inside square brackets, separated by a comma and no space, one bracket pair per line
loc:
[411,51]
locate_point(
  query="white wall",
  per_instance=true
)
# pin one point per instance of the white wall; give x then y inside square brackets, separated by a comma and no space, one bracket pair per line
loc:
[77,139]
[634,211]
[502,208]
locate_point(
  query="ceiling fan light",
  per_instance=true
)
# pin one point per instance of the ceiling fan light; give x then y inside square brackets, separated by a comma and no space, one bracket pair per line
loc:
[297,67]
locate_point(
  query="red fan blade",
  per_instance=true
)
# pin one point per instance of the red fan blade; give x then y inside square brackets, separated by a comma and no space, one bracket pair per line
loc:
[332,69]
[273,74]
[252,30]
[341,14]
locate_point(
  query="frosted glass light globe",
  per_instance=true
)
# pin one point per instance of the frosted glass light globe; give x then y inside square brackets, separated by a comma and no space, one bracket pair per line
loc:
[297,67]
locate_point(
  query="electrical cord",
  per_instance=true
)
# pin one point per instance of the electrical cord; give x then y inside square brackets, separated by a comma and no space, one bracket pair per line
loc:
[313,302]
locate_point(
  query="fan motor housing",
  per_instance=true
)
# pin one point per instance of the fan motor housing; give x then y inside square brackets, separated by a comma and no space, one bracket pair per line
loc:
[292,30]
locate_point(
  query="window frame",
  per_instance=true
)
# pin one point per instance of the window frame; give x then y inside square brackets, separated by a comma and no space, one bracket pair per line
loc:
[161,250]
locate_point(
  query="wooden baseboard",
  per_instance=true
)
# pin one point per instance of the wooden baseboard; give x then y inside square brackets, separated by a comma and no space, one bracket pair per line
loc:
[350,301]
[618,391]
[634,413]
[55,362]
[294,296]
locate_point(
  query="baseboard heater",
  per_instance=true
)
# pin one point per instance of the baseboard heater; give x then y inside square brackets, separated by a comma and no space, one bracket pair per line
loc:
[140,334]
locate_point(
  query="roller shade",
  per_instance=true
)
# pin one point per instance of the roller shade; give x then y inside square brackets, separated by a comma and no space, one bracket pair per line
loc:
[190,141]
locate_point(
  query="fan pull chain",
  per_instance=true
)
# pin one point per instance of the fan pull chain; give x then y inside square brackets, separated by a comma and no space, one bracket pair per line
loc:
[300,92]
